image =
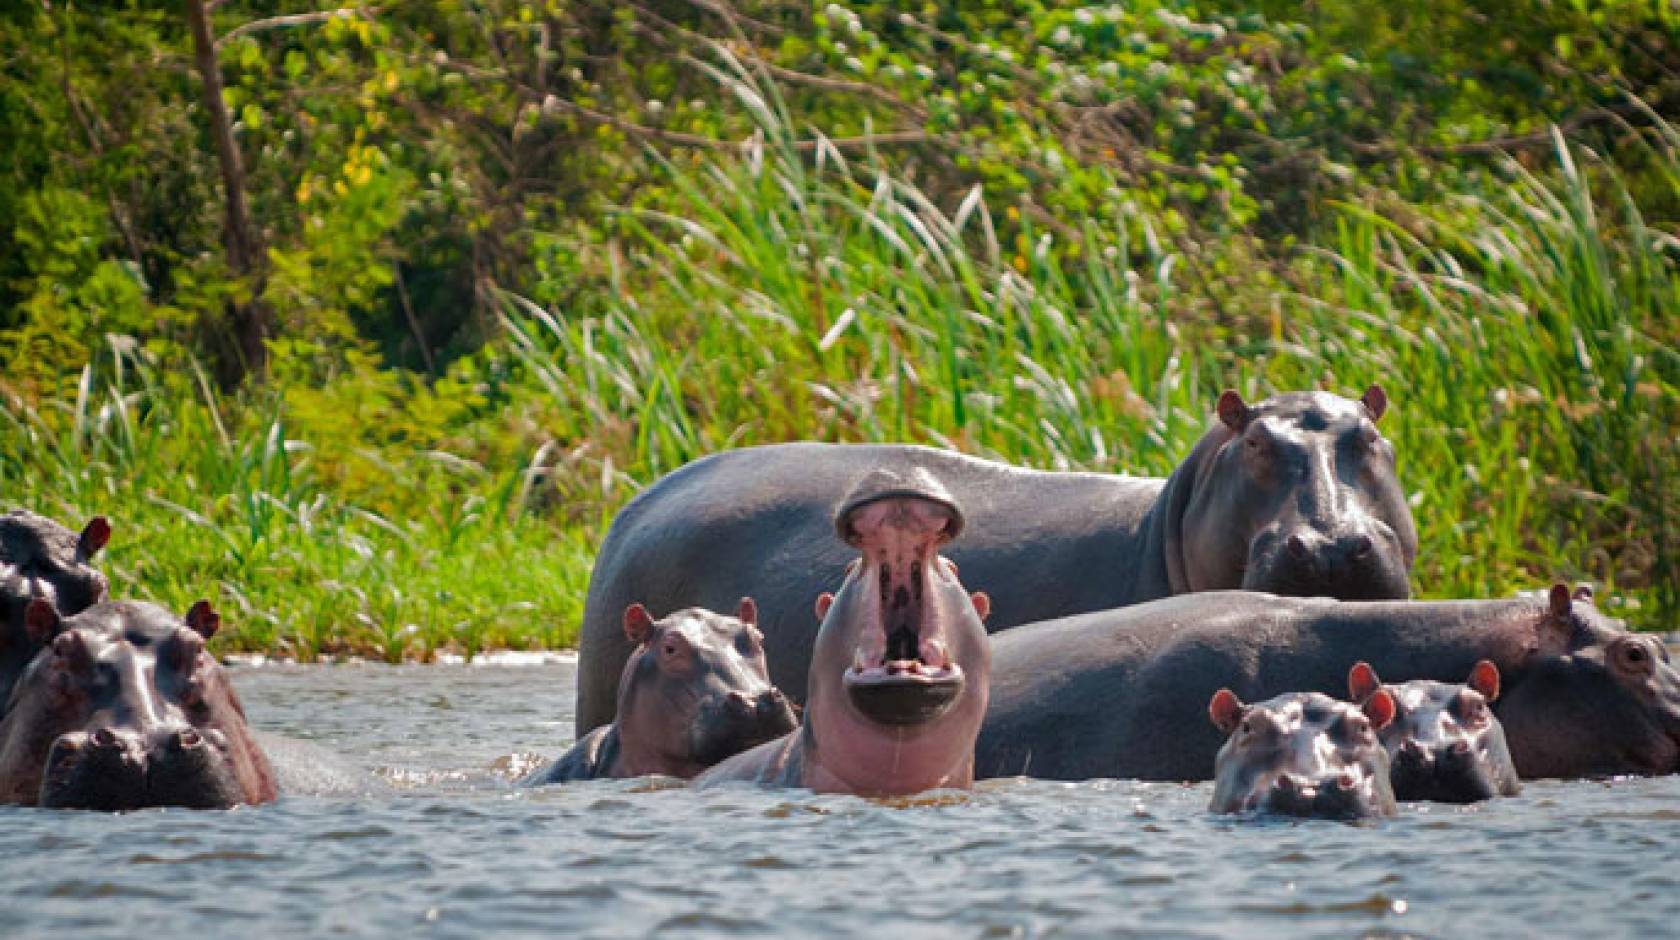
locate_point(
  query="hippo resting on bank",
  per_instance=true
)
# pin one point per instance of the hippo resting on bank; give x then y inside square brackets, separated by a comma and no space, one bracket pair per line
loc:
[695,691]
[125,709]
[899,678]
[41,559]
[1121,693]
[1295,495]
[1302,754]
[1444,744]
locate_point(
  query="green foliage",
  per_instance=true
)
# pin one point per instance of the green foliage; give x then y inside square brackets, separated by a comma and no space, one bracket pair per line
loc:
[523,257]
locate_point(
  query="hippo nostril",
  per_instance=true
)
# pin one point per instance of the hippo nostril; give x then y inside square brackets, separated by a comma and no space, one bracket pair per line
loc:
[189,738]
[105,738]
[1297,547]
[1361,547]
[1459,749]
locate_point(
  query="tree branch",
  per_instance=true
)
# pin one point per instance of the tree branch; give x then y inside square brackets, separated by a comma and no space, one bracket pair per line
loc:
[295,19]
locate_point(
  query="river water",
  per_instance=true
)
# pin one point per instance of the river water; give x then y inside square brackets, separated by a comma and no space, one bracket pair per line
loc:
[439,845]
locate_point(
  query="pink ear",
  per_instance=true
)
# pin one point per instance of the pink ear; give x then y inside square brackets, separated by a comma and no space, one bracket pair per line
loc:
[1484,678]
[1375,401]
[1232,411]
[1362,681]
[93,538]
[982,604]
[747,611]
[1559,599]
[1379,708]
[825,600]
[203,619]
[41,620]
[1225,710]
[638,623]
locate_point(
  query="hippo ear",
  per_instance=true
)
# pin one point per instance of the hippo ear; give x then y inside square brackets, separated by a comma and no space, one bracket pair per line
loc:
[1232,411]
[1484,678]
[825,600]
[41,620]
[638,623]
[982,603]
[1362,681]
[747,611]
[93,538]
[1583,592]
[1379,708]
[1225,710]
[1375,401]
[1558,599]
[203,619]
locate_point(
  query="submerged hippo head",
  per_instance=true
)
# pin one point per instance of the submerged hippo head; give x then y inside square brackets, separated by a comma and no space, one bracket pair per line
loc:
[1295,495]
[125,709]
[1592,698]
[899,677]
[695,691]
[1444,743]
[1302,754]
[41,559]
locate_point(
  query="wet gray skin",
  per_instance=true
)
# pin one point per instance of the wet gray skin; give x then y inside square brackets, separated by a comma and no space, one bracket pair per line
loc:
[898,683]
[1295,494]
[124,709]
[695,691]
[40,558]
[1122,693]
[1302,754]
[1444,745]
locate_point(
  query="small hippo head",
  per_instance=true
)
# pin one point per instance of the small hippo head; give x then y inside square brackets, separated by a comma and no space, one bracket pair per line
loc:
[1592,698]
[900,675]
[41,559]
[1302,754]
[1444,744]
[696,690]
[1296,495]
[124,709]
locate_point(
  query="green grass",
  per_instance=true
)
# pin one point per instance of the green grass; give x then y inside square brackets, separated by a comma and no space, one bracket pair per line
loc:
[1525,333]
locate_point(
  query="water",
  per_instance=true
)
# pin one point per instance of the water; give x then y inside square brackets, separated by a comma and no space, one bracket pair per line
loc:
[447,849]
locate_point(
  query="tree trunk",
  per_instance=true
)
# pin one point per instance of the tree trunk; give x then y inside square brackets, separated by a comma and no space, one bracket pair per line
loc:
[250,318]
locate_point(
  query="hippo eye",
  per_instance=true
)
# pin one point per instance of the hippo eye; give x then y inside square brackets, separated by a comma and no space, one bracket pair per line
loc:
[1634,657]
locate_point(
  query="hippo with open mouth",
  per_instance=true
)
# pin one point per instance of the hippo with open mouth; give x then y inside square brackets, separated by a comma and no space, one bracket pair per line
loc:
[1302,754]
[125,709]
[1297,494]
[898,681]
[695,691]
[1444,745]
[41,559]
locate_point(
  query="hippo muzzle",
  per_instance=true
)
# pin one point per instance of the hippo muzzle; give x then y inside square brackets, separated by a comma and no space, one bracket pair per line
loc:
[121,769]
[735,722]
[1360,562]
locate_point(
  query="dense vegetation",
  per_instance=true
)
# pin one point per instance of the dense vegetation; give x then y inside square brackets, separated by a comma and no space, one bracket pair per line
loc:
[370,348]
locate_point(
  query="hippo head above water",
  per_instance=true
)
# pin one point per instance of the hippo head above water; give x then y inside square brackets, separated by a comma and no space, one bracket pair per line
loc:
[1444,745]
[710,671]
[899,678]
[1297,495]
[41,559]
[1302,754]
[1593,699]
[125,709]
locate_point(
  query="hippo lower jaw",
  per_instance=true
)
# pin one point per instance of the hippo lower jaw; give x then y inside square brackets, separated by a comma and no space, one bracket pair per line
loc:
[910,694]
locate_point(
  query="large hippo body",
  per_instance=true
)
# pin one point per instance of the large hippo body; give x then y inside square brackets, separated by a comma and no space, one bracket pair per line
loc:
[1296,494]
[1123,693]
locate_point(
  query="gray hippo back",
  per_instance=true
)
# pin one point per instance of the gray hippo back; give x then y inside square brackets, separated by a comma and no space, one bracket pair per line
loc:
[1296,494]
[1122,693]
